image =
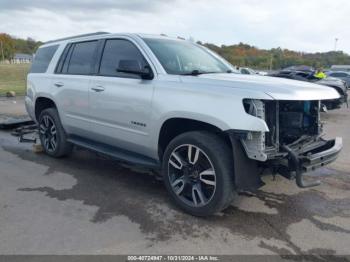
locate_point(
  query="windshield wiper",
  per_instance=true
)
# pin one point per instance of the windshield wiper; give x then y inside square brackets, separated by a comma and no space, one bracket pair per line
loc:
[197,72]
[193,73]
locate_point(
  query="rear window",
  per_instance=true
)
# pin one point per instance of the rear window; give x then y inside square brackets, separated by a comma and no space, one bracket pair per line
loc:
[42,59]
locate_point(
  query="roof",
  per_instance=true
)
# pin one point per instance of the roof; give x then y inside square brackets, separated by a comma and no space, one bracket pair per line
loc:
[299,68]
[343,72]
[23,56]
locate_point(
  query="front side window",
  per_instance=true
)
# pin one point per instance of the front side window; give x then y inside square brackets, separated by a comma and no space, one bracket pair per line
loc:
[42,59]
[183,57]
[81,58]
[117,50]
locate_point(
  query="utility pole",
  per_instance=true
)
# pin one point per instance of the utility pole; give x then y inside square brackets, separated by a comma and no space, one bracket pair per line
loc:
[2,50]
[335,44]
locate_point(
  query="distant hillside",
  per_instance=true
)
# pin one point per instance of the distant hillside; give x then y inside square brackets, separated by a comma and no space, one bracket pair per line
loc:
[276,58]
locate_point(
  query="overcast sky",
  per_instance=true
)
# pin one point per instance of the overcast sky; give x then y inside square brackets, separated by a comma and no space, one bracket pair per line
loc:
[309,25]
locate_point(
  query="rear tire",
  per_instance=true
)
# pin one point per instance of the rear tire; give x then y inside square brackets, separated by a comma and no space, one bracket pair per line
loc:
[52,135]
[198,169]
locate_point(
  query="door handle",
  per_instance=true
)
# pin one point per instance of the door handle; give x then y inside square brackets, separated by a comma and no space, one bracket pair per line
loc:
[98,89]
[59,84]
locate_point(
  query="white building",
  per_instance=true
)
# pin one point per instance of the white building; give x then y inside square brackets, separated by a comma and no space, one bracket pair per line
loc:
[20,58]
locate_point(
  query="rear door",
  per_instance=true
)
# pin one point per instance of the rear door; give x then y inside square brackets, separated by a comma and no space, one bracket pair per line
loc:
[71,86]
[120,103]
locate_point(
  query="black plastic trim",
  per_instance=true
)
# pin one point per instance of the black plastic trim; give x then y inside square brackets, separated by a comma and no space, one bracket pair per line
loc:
[115,152]
[245,170]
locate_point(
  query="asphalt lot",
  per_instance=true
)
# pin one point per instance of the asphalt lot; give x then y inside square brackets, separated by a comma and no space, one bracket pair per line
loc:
[85,204]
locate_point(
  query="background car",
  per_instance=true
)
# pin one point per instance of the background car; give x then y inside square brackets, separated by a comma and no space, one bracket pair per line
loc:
[340,68]
[249,71]
[345,76]
[303,68]
[306,75]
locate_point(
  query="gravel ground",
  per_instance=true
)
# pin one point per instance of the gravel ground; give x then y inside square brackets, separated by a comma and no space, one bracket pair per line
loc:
[85,204]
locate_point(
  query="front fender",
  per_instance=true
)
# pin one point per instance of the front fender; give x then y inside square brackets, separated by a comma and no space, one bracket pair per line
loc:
[223,121]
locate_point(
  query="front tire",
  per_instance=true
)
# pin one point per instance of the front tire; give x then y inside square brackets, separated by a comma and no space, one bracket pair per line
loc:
[198,173]
[52,135]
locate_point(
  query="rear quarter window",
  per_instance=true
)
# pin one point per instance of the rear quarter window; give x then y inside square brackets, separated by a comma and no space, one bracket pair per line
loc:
[43,58]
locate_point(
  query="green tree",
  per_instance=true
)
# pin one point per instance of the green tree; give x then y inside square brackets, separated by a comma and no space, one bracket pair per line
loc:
[7,48]
[28,46]
[250,56]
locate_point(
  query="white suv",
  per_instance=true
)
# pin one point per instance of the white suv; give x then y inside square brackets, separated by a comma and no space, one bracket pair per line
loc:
[178,108]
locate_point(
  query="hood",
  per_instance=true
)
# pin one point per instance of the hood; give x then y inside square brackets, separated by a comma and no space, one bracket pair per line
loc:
[276,88]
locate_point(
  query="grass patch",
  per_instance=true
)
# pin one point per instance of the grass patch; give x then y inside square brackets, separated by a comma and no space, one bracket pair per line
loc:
[13,78]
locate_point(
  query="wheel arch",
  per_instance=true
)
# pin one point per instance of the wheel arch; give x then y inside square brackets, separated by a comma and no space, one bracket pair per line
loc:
[175,126]
[42,103]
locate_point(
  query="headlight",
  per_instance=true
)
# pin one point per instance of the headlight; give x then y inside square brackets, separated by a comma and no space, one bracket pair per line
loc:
[254,107]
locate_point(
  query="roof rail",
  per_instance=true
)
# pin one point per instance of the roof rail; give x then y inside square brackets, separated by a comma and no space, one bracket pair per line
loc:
[76,36]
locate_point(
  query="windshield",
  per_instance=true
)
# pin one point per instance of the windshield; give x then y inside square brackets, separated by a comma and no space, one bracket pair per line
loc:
[183,57]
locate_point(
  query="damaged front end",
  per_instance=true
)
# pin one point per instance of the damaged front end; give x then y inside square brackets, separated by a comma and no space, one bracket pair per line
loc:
[294,143]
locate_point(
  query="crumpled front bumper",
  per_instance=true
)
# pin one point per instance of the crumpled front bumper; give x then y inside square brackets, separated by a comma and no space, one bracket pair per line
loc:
[300,163]
[326,156]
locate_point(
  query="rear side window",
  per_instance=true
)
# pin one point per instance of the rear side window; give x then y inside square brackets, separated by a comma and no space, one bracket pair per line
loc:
[42,59]
[82,58]
[79,58]
[116,50]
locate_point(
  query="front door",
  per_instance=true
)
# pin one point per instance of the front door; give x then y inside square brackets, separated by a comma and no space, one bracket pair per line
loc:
[120,103]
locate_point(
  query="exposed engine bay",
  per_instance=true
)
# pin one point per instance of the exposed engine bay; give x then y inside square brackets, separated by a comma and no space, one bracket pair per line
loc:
[288,122]
[291,119]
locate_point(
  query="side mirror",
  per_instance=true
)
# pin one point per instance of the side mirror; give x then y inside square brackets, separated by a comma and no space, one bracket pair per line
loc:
[134,67]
